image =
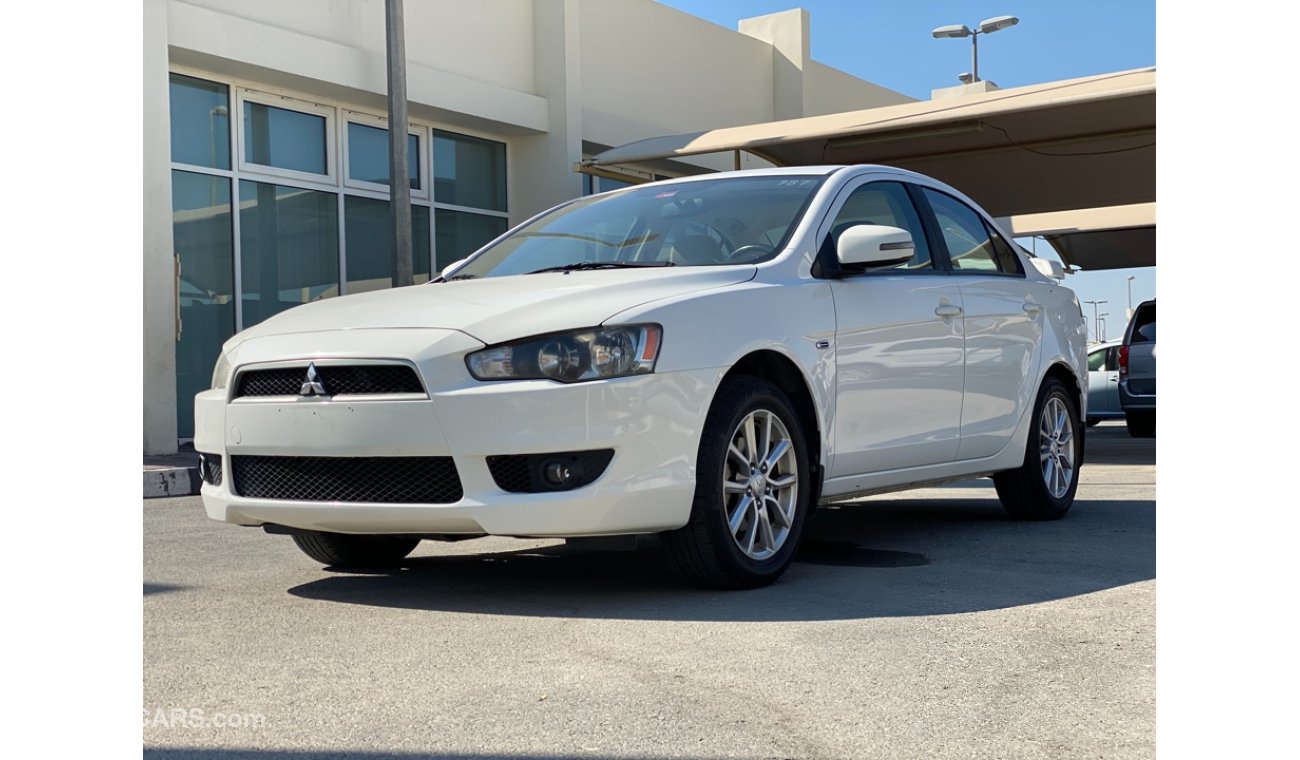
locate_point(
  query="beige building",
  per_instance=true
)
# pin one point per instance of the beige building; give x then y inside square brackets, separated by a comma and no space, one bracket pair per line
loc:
[265,174]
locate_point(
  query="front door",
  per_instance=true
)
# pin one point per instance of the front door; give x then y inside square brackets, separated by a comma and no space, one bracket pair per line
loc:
[1099,395]
[898,345]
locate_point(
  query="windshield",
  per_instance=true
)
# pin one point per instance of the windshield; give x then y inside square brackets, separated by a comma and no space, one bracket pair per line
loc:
[737,220]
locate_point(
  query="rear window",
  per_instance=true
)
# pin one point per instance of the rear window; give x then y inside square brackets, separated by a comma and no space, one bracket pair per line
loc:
[1144,325]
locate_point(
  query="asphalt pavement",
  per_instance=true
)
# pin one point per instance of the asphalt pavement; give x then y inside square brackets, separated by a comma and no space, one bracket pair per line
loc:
[923,624]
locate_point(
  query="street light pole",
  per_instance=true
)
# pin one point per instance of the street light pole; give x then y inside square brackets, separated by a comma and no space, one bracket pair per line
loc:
[1096,318]
[987,26]
[1129,313]
[399,181]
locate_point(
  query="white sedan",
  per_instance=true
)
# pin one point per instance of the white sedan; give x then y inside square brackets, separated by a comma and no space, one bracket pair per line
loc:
[706,358]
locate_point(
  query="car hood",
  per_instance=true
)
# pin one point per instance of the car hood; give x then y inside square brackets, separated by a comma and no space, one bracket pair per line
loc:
[497,309]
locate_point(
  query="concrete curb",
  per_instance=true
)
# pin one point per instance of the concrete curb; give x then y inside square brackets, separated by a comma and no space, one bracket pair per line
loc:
[173,475]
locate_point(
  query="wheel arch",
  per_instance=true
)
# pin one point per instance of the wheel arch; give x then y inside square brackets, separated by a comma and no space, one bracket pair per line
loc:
[780,370]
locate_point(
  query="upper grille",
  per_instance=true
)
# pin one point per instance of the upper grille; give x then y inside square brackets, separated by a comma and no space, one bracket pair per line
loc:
[526,473]
[337,380]
[383,480]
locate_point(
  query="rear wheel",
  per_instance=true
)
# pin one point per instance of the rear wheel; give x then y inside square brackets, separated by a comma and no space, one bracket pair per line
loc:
[1043,487]
[343,550]
[1141,424]
[752,490]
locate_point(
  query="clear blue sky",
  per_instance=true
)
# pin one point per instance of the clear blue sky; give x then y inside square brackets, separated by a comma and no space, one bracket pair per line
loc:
[889,43]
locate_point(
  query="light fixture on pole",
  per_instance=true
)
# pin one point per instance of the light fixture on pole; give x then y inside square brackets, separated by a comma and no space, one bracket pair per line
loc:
[1129,313]
[987,26]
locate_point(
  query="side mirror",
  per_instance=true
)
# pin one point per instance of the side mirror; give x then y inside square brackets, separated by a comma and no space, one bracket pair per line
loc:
[1049,268]
[451,267]
[874,246]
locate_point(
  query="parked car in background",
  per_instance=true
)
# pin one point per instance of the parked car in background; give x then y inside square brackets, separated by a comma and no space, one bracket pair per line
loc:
[1137,372]
[1103,382]
[704,358]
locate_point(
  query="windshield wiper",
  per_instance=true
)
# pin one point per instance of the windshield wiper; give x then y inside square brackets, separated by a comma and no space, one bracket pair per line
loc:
[459,277]
[579,265]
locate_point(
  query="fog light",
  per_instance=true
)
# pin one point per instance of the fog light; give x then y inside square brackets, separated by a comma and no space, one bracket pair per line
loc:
[558,473]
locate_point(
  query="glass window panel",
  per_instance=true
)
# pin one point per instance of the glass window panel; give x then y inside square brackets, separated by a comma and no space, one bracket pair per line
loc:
[203,245]
[460,234]
[468,171]
[963,230]
[369,243]
[368,155]
[200,119]
[289,248]
[887,204]
[284,139]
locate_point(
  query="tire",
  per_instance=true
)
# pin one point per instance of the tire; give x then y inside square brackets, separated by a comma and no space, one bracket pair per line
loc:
[1141,424]
[343,550]
[1025,491]
[707,552]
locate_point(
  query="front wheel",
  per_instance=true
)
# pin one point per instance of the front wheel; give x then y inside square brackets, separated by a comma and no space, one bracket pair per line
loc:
[343,550]
[752,490]
[1043,487]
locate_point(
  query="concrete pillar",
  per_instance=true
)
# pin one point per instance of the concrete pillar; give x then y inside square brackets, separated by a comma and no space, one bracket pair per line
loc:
[159,287]
[788,34]
[547,160]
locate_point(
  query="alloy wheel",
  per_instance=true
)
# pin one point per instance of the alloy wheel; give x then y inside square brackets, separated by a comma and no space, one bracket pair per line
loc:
[760,484]
[1056,447]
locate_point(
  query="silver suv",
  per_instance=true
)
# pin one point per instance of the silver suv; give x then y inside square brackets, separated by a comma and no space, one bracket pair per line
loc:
[1137,372]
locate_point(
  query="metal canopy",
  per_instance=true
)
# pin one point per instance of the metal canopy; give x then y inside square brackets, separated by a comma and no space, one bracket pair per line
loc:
[1087,143]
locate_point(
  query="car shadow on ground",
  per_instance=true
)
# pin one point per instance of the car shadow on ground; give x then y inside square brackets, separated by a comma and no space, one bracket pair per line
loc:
[881,558]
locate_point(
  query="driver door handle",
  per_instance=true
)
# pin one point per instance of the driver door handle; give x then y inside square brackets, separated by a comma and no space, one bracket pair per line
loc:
[1032,309]
[947,310]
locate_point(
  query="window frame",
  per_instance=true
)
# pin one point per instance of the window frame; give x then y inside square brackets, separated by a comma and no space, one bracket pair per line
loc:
[246,95]
[827,265]
[337,113]
[989,230]
[423,160]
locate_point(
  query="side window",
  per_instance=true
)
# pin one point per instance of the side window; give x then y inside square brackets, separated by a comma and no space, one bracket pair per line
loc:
[887,204]
[1097,360]
[967,238]
[1144,325]
[1005,255]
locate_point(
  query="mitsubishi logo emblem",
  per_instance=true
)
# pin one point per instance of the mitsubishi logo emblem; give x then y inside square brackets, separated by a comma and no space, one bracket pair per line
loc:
[312,386]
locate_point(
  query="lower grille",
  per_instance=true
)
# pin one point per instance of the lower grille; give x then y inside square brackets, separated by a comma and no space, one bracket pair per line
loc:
[538,473]
[210,468]
[382,480]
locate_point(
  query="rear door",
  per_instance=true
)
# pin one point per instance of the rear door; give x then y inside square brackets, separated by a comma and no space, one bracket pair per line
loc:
[1004,319]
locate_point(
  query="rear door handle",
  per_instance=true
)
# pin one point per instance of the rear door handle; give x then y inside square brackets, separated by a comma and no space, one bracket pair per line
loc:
[947,310]
[1032,309]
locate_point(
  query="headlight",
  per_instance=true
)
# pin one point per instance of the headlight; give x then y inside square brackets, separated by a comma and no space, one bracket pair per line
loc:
[571,357]
[221,374]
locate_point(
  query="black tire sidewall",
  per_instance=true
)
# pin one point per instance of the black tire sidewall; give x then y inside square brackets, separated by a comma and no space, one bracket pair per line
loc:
[739,400]
[1055,388]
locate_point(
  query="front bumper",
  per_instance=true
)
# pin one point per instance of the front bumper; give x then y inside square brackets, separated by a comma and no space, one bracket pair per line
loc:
[652,422]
